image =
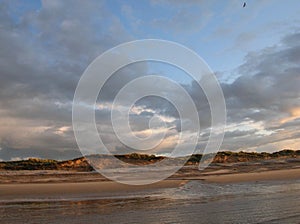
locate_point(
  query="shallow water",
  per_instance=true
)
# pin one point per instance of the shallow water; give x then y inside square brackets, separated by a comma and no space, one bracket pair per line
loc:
[196,202]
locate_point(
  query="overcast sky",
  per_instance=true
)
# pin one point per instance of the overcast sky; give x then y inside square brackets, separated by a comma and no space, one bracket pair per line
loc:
[45,46]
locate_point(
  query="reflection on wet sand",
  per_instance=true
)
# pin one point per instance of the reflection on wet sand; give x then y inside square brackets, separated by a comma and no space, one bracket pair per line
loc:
[195,202]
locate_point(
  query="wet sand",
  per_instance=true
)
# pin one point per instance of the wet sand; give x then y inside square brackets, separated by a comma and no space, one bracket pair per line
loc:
[222,193]
[50,184]
[288,174]
[67,191]
[267,202]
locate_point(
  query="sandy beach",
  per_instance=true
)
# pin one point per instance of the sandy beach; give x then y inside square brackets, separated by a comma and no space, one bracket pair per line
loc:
[15,185]
[222,193]
[66,191]
[108,188]
[288,174]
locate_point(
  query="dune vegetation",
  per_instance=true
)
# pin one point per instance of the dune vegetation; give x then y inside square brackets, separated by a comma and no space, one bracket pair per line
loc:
[81,164]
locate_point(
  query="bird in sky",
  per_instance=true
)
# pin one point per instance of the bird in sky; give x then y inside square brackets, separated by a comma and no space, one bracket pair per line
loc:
[244,5]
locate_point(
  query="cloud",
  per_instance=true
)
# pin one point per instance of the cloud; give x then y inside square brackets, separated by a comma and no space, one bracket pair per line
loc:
[267,91]
[262,102]
[294,114]
[44,53]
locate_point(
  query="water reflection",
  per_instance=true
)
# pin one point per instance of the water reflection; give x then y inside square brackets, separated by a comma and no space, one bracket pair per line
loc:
[196,202]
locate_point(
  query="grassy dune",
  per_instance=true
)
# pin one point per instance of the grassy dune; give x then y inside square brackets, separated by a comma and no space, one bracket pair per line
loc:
[81,164]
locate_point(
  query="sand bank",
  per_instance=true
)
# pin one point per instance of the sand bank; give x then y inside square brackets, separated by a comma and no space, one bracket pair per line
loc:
[91,185]
[71,190]
[287,174]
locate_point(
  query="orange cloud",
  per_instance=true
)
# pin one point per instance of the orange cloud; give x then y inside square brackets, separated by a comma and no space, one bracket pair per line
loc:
[294,114]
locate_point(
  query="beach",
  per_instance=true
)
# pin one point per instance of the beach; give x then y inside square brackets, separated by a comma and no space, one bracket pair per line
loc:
[52,184]
[55,187]
[194,202]
[222,193]
[288,174]
[68,191]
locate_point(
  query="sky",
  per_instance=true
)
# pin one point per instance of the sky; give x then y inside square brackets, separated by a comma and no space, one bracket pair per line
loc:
[45,46]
